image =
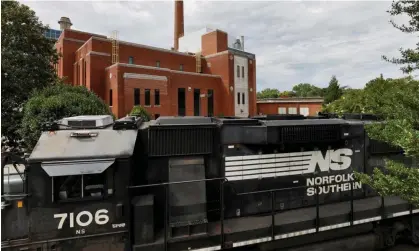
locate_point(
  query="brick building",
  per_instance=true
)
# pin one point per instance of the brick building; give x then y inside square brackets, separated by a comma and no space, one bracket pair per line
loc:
[206,73]
[304,106]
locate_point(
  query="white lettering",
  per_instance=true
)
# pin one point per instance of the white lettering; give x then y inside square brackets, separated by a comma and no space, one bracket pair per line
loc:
[100,218]
[332,184]
[335,160]
[63,217]
[89,218]
[81,231]
[118,225]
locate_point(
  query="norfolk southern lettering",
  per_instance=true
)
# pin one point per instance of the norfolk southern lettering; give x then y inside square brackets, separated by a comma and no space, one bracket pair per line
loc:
[327,184]
[337,160]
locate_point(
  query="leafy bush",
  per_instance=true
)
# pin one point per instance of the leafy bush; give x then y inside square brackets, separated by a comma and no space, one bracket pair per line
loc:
[140,111]
[56,102]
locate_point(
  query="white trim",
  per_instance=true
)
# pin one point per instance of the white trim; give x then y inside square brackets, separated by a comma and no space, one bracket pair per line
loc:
[340,225]
[362,221]
[98,53]
[144,76]
[145,46]
[251,242]
[400,214]
[213,248]
[161,69]
[290,100]
[293,234]
[415,211]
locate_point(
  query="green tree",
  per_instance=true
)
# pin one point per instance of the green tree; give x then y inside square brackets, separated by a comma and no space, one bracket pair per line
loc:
[396,101]
[268,93]
[307,90]
[287,94]
[56,102]
[26,64]
[140,111]
[409,57]
[352,101]
[333,91]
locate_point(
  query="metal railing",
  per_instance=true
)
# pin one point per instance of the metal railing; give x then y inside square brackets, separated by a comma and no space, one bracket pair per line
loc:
[273,210]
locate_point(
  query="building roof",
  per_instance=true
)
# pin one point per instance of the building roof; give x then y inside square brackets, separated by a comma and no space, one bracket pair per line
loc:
[291,100]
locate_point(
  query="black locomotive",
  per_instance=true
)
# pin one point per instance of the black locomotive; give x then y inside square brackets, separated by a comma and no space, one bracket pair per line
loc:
[199,183]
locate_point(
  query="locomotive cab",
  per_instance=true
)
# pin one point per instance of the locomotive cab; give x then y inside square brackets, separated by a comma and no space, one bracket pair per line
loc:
[77,178]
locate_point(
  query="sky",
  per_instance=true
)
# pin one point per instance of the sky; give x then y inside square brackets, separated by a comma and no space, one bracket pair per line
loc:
[294,41]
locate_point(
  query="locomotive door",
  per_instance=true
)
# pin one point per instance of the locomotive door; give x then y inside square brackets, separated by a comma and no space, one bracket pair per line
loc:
[14,224]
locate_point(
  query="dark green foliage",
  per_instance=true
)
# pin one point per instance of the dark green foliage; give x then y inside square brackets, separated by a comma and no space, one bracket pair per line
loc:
[268,93]
[307,90]
[409,57]
[140,111]
[56,102]
[333,91]
[26,64]
[397,102]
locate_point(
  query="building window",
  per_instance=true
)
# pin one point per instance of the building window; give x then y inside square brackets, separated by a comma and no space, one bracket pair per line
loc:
[292,110]
[147,97]
[282,110]
[181,67]
[243,100]
[136,96]
[196,101]
[238,71]
[181,101]
[304,111]
[210,103]
[110,97]
[156,97]
[158,64]
[238,98]
[131,60]
[242,71]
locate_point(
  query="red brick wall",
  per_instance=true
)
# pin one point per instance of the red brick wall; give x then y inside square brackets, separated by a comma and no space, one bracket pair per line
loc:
[222,65]
[161,109]
[272,108]
[169,103]
[213,42]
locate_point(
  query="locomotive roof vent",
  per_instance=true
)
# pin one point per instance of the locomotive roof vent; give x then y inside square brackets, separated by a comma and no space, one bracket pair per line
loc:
[88,121]
[280,117]
[187,120]
[360,116]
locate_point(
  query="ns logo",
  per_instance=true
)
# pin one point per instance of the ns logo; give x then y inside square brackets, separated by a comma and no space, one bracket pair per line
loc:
[335,160]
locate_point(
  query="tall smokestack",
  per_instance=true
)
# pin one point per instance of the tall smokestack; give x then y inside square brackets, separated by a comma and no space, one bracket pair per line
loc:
[178,22]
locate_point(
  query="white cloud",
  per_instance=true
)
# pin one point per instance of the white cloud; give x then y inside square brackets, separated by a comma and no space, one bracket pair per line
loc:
[298,41]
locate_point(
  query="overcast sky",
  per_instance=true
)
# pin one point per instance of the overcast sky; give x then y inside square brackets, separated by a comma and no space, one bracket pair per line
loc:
[294,42]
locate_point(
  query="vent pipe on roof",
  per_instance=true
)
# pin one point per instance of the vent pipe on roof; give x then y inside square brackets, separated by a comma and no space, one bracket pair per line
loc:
[65,23]
[242,42]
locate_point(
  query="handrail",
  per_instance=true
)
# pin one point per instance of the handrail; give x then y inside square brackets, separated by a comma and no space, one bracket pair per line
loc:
[273,212]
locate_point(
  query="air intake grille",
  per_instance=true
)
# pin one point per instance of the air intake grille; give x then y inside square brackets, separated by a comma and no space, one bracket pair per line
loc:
[172,141]
[82,123]
[310,133]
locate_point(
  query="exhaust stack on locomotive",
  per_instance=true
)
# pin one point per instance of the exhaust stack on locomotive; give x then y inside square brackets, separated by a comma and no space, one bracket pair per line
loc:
[198,183]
